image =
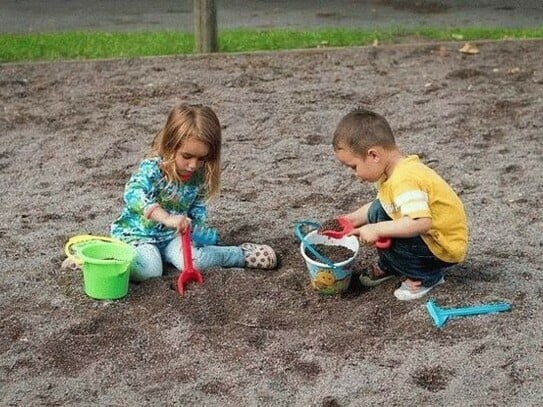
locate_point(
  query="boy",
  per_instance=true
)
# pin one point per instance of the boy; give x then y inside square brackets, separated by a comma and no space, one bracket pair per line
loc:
[414,207]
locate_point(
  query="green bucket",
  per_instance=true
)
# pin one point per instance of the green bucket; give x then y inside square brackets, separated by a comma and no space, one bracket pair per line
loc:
[106,268]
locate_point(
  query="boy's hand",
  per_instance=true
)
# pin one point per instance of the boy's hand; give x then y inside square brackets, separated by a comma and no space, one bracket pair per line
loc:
[367,234]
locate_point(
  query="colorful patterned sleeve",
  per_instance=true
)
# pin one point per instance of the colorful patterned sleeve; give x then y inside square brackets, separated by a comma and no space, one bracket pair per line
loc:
[198,209]
[140,193]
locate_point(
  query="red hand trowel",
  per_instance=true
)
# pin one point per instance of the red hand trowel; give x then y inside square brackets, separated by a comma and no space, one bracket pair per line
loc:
[347,227]
[189,273]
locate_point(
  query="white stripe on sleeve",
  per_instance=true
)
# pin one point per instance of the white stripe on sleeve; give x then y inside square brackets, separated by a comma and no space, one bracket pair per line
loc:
[413,207]
[408,196]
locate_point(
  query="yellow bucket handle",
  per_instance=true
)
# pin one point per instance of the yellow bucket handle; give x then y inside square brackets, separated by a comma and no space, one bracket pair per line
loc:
[73,241]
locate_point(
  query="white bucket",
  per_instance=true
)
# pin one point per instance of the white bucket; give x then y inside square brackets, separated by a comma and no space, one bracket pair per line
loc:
[325,279]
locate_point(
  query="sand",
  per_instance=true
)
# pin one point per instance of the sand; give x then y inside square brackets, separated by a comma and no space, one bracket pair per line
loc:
[72,132]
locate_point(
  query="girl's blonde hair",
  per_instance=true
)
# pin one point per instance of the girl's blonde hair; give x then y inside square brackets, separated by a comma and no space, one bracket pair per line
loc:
[190,122]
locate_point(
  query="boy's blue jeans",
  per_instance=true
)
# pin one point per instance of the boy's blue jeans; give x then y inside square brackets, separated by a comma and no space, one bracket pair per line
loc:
[149,258]
[409,257]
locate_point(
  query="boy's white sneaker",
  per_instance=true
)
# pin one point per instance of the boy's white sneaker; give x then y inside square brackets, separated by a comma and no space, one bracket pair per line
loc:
[405,294]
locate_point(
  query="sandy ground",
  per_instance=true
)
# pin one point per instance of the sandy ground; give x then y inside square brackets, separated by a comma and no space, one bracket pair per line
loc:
[71,133]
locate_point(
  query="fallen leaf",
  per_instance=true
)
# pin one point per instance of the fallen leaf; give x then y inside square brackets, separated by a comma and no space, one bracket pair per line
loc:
[469,48]
[323,44]
[516,69]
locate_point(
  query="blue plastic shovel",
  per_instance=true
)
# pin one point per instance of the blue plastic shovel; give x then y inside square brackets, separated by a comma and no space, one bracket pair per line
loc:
[441,315]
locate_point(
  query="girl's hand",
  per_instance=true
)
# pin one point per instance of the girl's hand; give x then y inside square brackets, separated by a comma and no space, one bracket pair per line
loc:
[178,222]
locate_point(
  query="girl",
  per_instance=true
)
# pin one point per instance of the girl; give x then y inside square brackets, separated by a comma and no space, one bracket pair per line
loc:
[169,192]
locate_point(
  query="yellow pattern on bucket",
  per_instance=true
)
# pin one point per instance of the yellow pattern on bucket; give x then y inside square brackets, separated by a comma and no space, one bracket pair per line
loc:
[325,279]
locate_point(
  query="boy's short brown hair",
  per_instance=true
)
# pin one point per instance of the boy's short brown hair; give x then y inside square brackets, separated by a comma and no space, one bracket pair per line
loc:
[362,129]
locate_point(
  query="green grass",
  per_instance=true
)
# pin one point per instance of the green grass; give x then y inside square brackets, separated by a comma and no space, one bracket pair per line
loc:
[96,45]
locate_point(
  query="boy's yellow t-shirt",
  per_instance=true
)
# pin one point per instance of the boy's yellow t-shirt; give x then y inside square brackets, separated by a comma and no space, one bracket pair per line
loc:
[417,191]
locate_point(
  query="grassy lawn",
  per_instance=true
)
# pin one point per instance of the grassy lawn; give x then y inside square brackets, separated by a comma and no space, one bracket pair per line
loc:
[93,45]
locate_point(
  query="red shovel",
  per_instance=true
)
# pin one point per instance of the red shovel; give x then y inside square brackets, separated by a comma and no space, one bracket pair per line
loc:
[347,227]
[189,273]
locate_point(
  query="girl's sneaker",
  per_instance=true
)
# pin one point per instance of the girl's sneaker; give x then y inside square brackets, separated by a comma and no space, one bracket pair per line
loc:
[259,256]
